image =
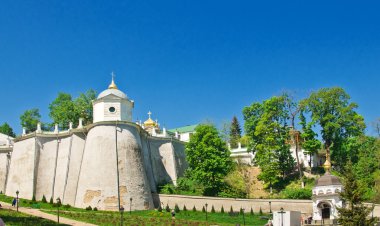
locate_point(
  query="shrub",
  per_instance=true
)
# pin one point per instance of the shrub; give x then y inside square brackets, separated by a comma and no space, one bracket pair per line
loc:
[241,211]
[67,206]
[167,189]
[184,208]
[203,209]
[194,209]
[231,210]
[296,193]
[159,209]
[95,209]
[222,210]
[44,199]
[167,208]
[33,198]
[261,211]
[88,208]
[176,208]
[51,200]
[252,212]
[212,209]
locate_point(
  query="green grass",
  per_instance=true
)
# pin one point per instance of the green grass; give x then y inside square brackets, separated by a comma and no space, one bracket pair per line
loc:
[153,217]
[11,217]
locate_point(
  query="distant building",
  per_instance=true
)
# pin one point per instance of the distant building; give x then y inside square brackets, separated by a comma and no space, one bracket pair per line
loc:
[183,133]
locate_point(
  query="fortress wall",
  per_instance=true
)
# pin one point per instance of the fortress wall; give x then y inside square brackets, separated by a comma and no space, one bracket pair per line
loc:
[180,157]
[76,154]
[98,185]
[134,182]
[147,162]
[160,150]
[21,172]
[3,170]
[62,166]
[46,167]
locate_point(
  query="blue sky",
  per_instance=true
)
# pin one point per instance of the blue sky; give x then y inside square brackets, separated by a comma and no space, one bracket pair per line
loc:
[187,61]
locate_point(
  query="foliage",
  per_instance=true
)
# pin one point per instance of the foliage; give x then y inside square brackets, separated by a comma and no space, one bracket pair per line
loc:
[29,119]
[184,208]
[296,193]
[235,133]
[95,209]
[355,213]
[51,200]
[176,208]
[194,209]
[208,158]
[266,125]
[335,115]
[212,209]
[33,198]
[251,212]
[88,208]
[222,209]
[261,211]
[167,208]
[310,143]
[159,209]
[64,109]
[231,210]
[6,129]
[203,210]
[44,199]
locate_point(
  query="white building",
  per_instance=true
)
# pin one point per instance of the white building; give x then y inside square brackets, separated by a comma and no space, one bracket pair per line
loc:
[183,133]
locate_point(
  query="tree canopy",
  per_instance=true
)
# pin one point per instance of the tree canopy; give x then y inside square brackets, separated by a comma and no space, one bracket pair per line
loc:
[235,133]
[208,158]
[266,125]
[6,129]
[29,119]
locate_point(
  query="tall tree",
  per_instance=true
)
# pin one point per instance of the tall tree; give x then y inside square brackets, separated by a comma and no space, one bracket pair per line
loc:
[83,105]
[208,158]
[29,119]
[6,129]
[332,111]
[266,126]
[355,213]
[310,143]
[63,110]
[235,133]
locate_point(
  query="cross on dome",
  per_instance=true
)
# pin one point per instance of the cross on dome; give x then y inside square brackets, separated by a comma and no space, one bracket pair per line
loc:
[149,113]
[112,85]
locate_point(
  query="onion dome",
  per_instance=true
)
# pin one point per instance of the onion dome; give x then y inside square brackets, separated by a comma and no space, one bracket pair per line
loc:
[327,180]
[112,89]
[149,122]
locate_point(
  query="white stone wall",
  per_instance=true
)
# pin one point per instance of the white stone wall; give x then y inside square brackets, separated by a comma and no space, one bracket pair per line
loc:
[3,170]
[64,145]
[21,172]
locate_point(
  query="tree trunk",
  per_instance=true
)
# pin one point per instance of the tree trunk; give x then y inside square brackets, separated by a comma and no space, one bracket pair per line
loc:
[295,138]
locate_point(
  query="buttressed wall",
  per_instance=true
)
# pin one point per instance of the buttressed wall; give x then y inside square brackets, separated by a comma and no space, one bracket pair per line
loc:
[95,166]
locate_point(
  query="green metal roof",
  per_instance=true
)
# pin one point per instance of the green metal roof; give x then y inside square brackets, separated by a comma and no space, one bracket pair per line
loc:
[184,129]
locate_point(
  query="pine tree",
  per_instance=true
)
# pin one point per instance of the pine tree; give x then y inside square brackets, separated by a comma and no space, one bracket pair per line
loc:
[222,210]
[203,210]
[194,209]
[212,209]
[184,208]
[252,212]
[51,200]
[261,211]
[235,132]
[159,208]
[167,208]
[176,208]
[44,199]
[355,213]
[231,210]
[241,211]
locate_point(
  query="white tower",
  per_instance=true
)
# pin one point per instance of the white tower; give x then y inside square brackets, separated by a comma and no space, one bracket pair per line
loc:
[112,105]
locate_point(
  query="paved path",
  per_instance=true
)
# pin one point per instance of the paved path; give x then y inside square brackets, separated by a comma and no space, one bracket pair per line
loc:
[38,213]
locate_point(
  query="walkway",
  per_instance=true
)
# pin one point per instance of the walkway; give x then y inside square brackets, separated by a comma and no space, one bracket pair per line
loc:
[38,213]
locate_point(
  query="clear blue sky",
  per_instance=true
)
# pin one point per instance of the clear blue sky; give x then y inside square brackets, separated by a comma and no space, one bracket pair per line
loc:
[187,61]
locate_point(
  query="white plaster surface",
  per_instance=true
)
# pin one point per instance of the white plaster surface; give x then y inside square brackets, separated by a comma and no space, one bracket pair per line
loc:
[3,170]
[62,167]
[21,173]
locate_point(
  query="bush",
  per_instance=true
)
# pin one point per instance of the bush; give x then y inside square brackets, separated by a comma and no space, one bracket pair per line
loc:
[203,210]
[167,189]
[241,211]
[51,200]
[67,206]
[159,209]
[95,209]
[252,212]
[222,210]
[167,208]
[296,193]
[44,199]
[176,208]
[194,209]
[261,211]
[88,208]
[212,209]
[184,208]
[184,184]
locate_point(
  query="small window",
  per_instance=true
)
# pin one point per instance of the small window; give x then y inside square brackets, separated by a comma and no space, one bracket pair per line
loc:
[112,109]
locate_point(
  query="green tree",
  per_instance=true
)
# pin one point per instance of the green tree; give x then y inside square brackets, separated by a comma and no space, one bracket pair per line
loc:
[63,111]
[235,133]
[310,143]
[355,213]
[335,115]
[266,124]
[6,129]
[83,105]
[29,119]
[208,158]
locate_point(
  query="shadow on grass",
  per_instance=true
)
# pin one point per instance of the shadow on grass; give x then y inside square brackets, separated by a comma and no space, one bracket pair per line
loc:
[11,217]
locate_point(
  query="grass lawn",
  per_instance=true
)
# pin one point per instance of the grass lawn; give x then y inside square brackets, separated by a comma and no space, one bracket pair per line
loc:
[11,217]
[153,217]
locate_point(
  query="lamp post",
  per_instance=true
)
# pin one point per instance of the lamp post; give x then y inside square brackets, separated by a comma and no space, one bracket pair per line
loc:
[243,216]
[270,207]
[121,215]
[17,192]
[130,206]
[58,204]
[282,216]
[206,211]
